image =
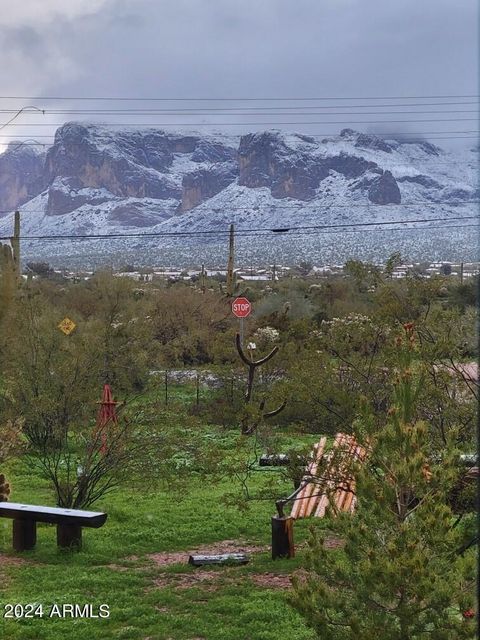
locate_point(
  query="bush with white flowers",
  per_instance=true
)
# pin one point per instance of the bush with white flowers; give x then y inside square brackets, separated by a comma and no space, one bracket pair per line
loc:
[265,336]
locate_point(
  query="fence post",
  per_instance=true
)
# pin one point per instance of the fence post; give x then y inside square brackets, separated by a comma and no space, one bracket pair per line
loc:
[198,389]
[166,388]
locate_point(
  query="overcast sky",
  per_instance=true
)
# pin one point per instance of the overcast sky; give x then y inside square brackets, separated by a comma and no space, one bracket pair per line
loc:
[239,49]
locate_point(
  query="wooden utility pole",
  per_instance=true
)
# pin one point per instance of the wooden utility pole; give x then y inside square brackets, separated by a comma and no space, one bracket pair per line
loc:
[231,255]
[274,274]
[15,242]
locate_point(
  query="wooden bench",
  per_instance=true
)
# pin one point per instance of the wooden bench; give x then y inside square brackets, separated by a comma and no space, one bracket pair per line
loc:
[69,523]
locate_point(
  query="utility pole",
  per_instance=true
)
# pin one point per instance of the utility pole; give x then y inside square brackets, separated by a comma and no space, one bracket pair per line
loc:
[231,254]
[15,242]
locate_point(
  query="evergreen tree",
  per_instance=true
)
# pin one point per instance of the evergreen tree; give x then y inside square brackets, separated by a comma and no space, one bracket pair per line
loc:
[399,575]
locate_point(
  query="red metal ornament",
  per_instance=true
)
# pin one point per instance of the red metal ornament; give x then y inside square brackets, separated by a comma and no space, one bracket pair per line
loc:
[107,415]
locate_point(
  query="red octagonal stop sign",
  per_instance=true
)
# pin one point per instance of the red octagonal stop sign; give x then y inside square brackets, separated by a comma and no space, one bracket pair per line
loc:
[241,307]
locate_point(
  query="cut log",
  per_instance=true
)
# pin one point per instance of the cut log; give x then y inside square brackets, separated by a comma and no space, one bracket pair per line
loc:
[301,504]
[349,499]
[321,506]
[299,500]
[282,537]
[274,460]
[312,493]
[221,558]
[336,485]
[296,504]
[349,453]
[324,501]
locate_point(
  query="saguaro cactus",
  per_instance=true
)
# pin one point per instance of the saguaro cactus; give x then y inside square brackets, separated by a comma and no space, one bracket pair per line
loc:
[249,425]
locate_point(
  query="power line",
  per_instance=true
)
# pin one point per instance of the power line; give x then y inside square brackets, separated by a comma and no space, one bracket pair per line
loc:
[17,114]
[240,231]
[427,228]
[256,99]
[247,234]
[301,207]
[410,136]
[243,124]
[267,111]
[402,105]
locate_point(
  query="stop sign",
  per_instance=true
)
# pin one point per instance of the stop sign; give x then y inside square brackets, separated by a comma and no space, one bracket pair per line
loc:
[241,307]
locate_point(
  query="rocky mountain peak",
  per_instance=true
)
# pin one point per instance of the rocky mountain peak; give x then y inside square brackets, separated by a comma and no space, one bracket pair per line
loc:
[99,179]
[21,174]
[384,190]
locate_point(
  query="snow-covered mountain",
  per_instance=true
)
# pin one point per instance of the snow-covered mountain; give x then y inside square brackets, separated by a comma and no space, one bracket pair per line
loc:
[96,180]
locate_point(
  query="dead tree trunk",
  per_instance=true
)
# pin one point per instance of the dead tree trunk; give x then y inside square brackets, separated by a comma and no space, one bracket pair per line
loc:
[248,426]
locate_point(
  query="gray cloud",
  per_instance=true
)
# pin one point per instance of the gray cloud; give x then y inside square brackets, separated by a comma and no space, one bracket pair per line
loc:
[277,48]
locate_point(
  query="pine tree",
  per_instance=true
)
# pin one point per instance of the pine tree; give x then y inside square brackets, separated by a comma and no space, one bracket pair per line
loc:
[399,575]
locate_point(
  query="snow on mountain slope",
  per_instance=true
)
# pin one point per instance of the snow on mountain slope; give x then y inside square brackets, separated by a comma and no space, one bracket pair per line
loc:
[100,181]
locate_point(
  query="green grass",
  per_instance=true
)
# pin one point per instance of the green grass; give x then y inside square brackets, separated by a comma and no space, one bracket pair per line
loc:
[146,600]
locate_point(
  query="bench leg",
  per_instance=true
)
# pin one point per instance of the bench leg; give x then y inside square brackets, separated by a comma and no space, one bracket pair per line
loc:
[24,534]
[69,536]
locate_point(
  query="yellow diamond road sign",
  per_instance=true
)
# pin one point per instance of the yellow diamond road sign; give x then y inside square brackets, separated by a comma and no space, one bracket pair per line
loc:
[67,326]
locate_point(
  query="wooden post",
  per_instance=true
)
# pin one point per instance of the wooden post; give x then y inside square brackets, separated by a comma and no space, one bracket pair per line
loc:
[69,536]
[198,389]
[461,273]
[203,286]
[24,534]
[282,537]
[166,388]
[15,241]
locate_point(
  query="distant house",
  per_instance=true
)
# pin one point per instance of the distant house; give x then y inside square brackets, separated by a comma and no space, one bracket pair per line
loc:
[261,277]
[135,275]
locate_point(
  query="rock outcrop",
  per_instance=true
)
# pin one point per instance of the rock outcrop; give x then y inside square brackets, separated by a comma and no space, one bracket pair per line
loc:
[127,164]
[212,151]
[384,190]
[90,164]
[351,166]
[266,161]
[21,175]
[202,184]
[424,181]
[67,194]
[370,141]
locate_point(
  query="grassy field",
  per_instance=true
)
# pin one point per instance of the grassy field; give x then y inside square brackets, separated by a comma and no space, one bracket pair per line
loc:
[137,565]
